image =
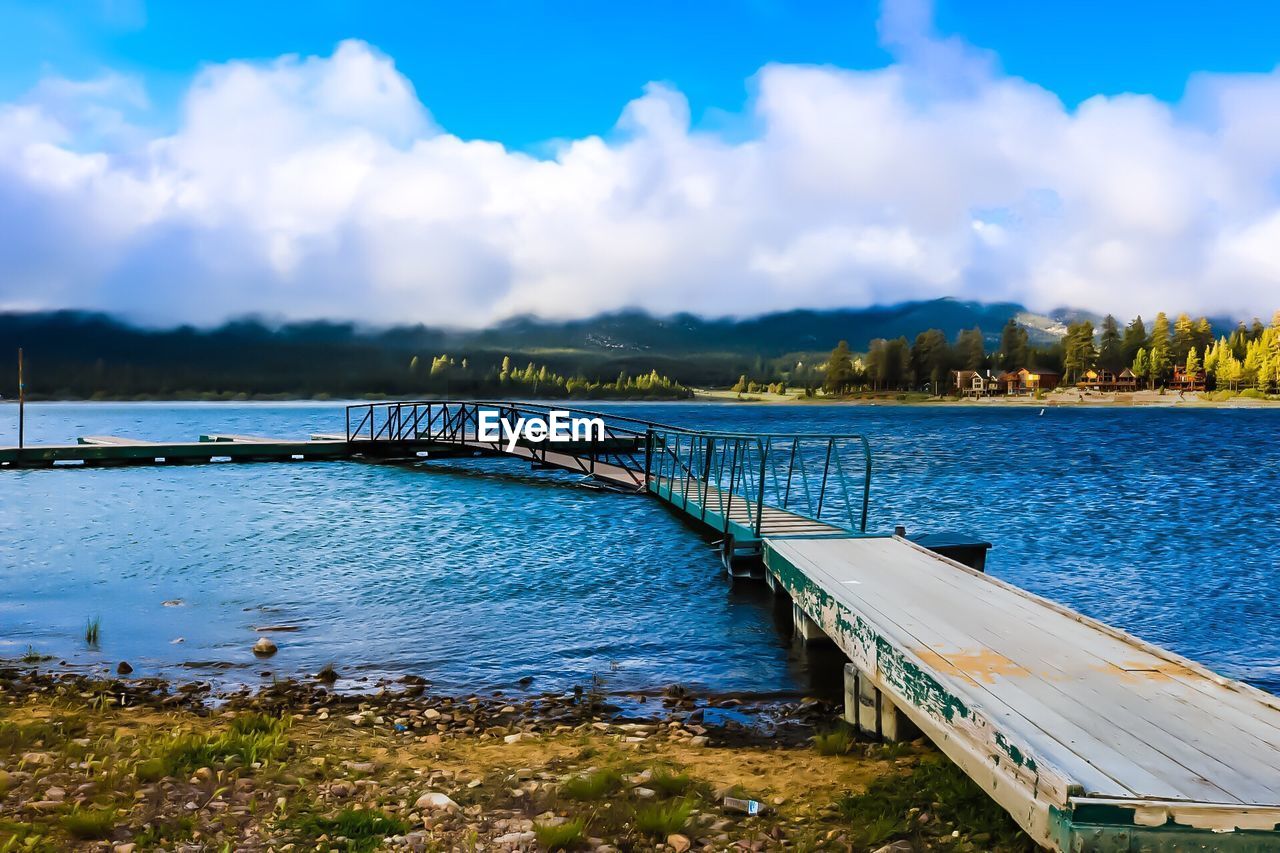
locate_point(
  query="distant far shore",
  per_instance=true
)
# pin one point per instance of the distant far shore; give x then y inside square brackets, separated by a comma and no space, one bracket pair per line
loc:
[1074,398]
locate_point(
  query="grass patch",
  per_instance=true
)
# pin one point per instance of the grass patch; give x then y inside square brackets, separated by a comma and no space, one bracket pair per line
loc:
[250,739]
[15,835]
[162,833]
[592,786]
[47,733]
[364,829]
[90,824]
[565,836]
[880,813]
[838,741]
[33,656]
[662,819]
[93,630]
[668,782]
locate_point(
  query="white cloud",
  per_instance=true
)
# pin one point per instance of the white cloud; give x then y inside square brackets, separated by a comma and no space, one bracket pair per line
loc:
[321,186]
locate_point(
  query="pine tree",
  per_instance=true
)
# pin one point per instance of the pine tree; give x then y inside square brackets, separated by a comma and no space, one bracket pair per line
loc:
[1111,351]
[971,353]
[1239,341]
[1135,338]
[1141,364]
[1183,337]
[1013,346]
[1193,363]
[1212,355]
[1080,353]
[930,358]
[1202,334]
[839,376]
[1160,355]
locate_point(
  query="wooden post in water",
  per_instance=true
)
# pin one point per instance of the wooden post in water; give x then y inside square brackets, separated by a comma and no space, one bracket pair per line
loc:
[22,402]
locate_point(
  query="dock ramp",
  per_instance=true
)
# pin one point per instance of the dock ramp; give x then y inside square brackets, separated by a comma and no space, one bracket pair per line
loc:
[1091,738]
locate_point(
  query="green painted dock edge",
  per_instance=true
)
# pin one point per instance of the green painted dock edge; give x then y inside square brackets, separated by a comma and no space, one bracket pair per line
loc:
[742,535]
[1039,796]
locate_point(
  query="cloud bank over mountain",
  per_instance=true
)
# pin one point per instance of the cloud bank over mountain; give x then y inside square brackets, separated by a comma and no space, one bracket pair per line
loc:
[322,187]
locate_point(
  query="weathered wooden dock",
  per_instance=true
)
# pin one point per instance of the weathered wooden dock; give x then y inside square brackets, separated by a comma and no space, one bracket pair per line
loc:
[1092,739]
[109,450]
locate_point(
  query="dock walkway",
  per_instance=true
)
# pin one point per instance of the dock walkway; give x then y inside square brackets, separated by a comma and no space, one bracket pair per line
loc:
[1088,736]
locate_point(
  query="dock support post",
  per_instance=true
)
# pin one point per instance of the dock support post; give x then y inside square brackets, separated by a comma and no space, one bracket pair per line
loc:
[805,628]
[872,712]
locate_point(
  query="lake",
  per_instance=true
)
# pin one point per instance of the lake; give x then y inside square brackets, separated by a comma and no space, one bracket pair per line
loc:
[478,573]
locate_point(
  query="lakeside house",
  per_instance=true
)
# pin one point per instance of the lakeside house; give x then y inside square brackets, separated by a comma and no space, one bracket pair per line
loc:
[1106,380]
[1027,381]
[1184,381]
[971,383]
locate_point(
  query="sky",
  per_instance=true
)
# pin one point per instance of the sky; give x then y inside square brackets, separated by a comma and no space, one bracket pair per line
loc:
[458,163]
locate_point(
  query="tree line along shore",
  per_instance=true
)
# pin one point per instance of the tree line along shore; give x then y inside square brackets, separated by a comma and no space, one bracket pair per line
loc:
[85,359]
[1183,355]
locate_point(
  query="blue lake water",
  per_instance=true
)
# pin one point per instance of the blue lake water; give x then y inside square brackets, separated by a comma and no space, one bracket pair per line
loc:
[477,573]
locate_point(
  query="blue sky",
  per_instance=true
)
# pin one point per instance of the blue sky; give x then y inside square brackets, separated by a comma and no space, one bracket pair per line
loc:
[525,72]
[458,163]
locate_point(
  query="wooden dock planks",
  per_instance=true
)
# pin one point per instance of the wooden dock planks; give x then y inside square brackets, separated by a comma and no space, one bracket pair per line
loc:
[1087,735]
[733,515]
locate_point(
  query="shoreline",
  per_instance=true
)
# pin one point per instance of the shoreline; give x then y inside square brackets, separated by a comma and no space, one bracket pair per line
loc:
[127,765]
[1140,400]
[1063,399]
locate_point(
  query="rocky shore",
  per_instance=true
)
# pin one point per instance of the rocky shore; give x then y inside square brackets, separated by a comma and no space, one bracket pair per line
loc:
[140,764]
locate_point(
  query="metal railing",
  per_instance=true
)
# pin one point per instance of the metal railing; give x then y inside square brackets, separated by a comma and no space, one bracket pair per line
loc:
[621,446]
[737,476]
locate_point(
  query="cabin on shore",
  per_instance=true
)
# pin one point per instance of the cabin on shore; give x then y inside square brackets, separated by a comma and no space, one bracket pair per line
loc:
[1101,379]
[972,383]
[1184,381]
[1027,381]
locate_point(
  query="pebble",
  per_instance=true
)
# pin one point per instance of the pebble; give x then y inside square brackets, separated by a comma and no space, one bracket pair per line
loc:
[896,847]
[645,793]
[264,648]
[435,801]
[679,843]
[123,668]
[515,838]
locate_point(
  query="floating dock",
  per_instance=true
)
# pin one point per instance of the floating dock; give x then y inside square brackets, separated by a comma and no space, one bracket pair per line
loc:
[108,450]
[1090,738]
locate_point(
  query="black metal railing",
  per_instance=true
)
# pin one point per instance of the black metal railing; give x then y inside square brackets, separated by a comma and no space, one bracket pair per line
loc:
[617,450]
[739,477]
